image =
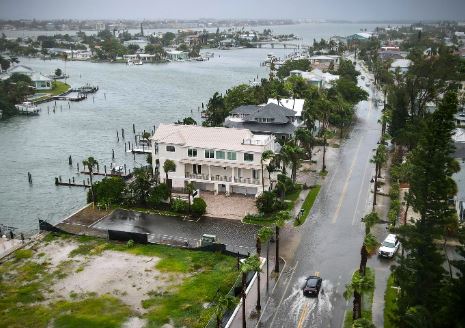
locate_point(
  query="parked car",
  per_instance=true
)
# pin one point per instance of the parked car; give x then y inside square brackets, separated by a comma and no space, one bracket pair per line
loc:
[389,246]
[312,286]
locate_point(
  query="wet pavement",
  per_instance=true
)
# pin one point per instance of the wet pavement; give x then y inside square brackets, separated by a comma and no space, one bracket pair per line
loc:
[329,241]
[237,236]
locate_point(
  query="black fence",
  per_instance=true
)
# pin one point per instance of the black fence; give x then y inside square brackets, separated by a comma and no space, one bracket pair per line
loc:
[140,238]
[45,226]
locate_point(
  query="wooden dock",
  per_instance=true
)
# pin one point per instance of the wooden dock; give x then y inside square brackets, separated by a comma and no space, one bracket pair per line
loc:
[122,175]
[70,183]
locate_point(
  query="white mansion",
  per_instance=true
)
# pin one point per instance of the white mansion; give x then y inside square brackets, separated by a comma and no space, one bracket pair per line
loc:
[222,160]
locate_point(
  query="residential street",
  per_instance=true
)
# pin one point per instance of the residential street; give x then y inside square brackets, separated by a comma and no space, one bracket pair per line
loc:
[329,242]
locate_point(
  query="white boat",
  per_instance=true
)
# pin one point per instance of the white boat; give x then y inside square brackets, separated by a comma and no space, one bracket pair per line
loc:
[138,62]
[28,108]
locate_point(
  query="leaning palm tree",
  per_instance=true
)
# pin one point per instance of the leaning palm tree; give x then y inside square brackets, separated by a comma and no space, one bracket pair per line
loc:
[263,236]
[294,154]
[280,219]
[266,156]
[91,163]
[224,303]
[250,264]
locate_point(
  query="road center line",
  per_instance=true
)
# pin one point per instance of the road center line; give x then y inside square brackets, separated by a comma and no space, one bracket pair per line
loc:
[284,294]
[360,191]
[346,184]
[303,315]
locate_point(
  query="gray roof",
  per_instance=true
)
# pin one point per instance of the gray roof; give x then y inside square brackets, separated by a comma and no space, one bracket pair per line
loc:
[286,111]
[244,109]
[260,128]
[268,112]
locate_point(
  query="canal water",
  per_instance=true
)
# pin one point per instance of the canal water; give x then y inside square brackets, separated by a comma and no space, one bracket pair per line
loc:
[142,95]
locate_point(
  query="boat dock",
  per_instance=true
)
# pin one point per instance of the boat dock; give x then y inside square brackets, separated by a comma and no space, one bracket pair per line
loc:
[117,174]
[71,183]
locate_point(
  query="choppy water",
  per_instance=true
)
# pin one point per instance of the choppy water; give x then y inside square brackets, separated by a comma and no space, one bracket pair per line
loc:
[144,95]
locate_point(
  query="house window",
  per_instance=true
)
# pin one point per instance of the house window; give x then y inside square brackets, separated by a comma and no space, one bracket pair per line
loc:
[171,149]
[231,155]
[220,154]
[209,153]
[248,157]
[192,152]
[156,148]
[255,174]
[197,169]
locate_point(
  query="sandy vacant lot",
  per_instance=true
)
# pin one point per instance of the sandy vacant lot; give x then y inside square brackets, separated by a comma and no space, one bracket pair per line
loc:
[129,277]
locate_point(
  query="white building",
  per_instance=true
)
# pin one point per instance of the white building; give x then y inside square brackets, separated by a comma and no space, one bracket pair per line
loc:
[176,55]
[140,43]
[400,64]
[222,160]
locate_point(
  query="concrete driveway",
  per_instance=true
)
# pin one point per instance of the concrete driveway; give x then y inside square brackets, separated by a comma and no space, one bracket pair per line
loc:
[237,236]
[232,207]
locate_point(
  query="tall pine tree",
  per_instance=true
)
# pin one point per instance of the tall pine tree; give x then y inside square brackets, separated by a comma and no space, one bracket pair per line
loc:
[421,274]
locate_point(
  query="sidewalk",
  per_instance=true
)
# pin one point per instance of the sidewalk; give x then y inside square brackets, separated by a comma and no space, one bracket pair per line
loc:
[251,300]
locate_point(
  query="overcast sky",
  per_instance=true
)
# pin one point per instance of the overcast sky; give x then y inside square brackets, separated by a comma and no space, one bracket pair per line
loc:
[351,10]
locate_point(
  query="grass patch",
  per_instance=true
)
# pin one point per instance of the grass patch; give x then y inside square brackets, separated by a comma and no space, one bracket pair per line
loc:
[57,89]
[390,306]
[100,312]
[258,219]
[308,204]
[323,173]
[293,196]
[367,301]
[21,254]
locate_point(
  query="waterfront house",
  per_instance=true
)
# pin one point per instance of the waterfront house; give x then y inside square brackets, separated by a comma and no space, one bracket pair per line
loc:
[215,159]
[268,119]
[176,55]
[325,62]
[316,77]
[41,82]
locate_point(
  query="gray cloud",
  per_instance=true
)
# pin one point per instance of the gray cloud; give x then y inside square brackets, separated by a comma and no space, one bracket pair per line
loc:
[186,9]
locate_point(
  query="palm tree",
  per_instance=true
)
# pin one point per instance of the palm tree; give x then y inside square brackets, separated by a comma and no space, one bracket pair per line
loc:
[280,219]
[263,235]
[294,154]
[190,187]
[359,284]
[369,243]
[168,166]
[266,155]
[91,163]
[378,159]
[224,303]
[306,140]
[250,264]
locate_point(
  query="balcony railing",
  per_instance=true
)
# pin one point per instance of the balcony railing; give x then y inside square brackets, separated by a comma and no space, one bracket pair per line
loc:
[223,178]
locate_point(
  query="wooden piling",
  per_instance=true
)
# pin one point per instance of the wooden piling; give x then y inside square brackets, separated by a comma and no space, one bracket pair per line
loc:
[122,133]
[125,147]
[77,165]
[70,160]
[113,154]
[124,169]
[133,128]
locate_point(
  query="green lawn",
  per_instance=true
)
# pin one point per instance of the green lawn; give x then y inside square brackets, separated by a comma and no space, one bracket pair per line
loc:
[308,204]
[25,283]
[58,88]
[390,298]
[367,301]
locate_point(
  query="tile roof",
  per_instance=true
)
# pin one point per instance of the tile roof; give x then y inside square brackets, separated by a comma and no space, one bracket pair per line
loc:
[206,137]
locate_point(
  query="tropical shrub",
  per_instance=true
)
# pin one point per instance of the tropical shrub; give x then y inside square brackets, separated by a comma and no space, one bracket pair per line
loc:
[179,205]
[199,207]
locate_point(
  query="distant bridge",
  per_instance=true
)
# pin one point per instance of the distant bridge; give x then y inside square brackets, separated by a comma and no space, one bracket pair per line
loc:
[279,45]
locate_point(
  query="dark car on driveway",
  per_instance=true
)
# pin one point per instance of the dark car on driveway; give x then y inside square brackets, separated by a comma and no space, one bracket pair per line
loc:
[312,286]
